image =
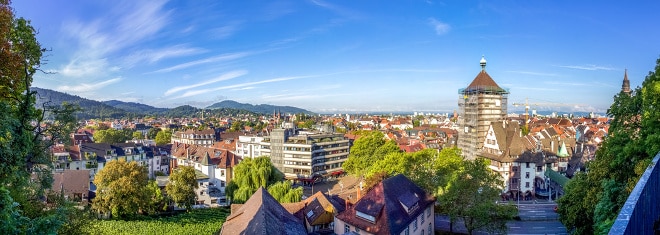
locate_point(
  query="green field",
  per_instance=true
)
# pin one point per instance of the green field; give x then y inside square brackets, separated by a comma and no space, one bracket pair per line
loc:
[200,221]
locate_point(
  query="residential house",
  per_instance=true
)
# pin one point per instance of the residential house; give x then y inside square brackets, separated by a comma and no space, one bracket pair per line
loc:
[72,184]
[394,206]
[215,164]
[262,214]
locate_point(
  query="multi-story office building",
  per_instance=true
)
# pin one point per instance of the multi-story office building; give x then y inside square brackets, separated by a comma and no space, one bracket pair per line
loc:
[480,103]
[306,156]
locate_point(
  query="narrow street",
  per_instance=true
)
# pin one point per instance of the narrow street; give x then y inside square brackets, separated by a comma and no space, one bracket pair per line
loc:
[536,217]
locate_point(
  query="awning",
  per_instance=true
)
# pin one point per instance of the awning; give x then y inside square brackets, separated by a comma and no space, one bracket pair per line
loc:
[337,173]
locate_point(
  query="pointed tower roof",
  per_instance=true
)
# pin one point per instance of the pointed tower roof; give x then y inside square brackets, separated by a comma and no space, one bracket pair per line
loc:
[625,87]
[206,160]
[562,150]
[483,82]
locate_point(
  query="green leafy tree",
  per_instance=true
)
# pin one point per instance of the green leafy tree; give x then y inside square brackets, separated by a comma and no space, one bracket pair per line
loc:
[181,186]
[237,126]
[367,150]
[151,134]
[26,132]
[121,189]
[633,140]
[137,135]
[428,168]
[283,192]
[157,202]
[163,137]
[249,175]
[471,194]
[111,136]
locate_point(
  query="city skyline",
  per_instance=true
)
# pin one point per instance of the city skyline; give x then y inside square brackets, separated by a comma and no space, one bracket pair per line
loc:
[342,56]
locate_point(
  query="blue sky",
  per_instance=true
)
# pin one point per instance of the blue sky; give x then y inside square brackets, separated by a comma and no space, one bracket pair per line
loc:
[338,56]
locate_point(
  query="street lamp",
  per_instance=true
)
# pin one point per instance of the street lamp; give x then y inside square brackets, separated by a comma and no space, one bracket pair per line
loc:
[547,184]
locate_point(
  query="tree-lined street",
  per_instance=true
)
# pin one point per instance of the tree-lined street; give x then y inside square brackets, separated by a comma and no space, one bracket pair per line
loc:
[535,218]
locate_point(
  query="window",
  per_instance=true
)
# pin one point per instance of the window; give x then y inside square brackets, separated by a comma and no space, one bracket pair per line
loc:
[414,224]
[357,230]
[347,228]
[421,218]
[527,164]
[539,168]
[407,231]
[526,184]
[526,175]
[429,229]
[428,211]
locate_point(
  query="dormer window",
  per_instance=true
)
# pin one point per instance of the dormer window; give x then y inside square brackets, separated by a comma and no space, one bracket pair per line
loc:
[364,216]
[409,201]
[310,214]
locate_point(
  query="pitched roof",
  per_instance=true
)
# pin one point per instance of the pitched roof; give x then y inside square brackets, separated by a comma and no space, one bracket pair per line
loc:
[71,181]
[262,214]
[385,202]
[483,80]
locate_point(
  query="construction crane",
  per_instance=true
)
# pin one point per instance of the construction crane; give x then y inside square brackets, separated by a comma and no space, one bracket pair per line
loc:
[527,104]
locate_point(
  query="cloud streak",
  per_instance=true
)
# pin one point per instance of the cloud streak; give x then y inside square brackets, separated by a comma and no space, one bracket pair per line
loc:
[86,87]
[440,27]
[152,56]
[219,58]
[226,76]
[241,85]
[589,67]
[534,73]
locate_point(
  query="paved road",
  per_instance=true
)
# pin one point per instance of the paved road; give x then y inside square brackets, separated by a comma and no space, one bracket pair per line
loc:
[537,218]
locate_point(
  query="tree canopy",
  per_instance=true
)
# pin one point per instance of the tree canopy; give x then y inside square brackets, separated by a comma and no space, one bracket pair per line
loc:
[367,150]
[181,186]
[121,189]
[112,136]
[470,195]
[249,175]
[25,133]
[284,192]
[163,137]
[592,200]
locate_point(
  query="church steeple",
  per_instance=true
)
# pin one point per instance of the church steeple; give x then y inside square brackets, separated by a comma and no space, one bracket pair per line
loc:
[625,87]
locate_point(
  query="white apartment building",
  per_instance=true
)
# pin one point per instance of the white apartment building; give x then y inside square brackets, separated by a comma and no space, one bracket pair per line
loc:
[306,156]
[204,138]
[249,146]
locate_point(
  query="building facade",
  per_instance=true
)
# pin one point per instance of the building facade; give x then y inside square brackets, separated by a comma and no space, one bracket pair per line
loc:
[306,156]
[204,138]
[480,103]
[248,146]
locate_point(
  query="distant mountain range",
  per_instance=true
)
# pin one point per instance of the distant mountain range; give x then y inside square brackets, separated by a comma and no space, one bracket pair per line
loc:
[115,109]
[262,108]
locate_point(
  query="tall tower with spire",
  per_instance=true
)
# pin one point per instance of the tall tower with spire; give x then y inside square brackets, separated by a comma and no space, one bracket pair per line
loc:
[480,103]
[625,87]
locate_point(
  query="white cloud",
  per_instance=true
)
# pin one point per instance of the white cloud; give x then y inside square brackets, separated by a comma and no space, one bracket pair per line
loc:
[226,76]
[235,86]
[84,67]
[152,56]
[534,73]
[439,26]
[220,58]
[86,87]
[590,67]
